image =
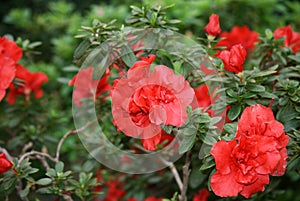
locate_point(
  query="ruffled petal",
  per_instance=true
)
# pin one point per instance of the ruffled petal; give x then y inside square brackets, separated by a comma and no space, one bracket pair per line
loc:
[257,186]
[222,152]
[225,185]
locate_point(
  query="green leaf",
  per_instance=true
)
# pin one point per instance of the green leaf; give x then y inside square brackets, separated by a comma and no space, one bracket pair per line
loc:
[186,143]
[25,191]
[168,129]
[208,138]
[270,71]
[51,173]
[230,131]
[231,93]
[230,128]
[266,94]
[8,184]
[269,34]
[208,162]
[286,113]
[59,166]
[44,190]
[128,56]
[234,112]
[81,49]
[295,58]
[256,88]
[44,181]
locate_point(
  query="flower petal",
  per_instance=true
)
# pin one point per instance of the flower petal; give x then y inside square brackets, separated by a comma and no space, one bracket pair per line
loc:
[257,186]
[225,185]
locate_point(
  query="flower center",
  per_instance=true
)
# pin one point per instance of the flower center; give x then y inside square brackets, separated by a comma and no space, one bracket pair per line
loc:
[146,105]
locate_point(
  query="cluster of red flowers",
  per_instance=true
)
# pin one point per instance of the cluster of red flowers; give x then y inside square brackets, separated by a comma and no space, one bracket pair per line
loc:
[238,42]
[145,100]
[28,82]
[257,151]
[241,40]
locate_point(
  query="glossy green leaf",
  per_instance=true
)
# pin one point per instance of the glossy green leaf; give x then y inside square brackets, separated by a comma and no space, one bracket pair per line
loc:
[44,181]
[128,56]
[234,112]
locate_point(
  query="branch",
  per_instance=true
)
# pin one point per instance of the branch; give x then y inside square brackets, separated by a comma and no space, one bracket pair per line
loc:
[27,154]
[186,173]
[70,132]
[26,147]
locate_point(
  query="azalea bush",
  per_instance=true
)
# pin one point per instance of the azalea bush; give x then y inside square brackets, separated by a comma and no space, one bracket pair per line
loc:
[158,115]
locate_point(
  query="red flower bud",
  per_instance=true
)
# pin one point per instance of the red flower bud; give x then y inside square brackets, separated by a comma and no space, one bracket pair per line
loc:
[213,27]
[234,59]
[5,164]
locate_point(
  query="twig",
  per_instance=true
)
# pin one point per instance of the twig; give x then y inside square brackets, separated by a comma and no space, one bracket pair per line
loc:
[176,175]
[27,154]
[26,147]
[70,132]
[43,161]
[186,173]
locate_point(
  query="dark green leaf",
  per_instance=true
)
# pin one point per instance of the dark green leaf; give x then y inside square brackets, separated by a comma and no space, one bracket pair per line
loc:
[81,49]
[208,162]
[234,112]
[186,143]
[44,181]
[231,93]
[208,138]
[59,166]
[128,56]
[266,94]
[256,88]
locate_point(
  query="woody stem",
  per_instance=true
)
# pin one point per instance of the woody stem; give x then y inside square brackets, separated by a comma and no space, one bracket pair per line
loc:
[186,173]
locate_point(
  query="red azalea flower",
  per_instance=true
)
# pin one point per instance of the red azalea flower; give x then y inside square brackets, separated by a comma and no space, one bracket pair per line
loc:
[234,59]
[5,164]
[242,35]
[259,120]
[9,49]
[243,164]
[213,27]
[202,195]
[86,87]
[32,84]
[7,74]
[152,198]
[292,39]
[144,100]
